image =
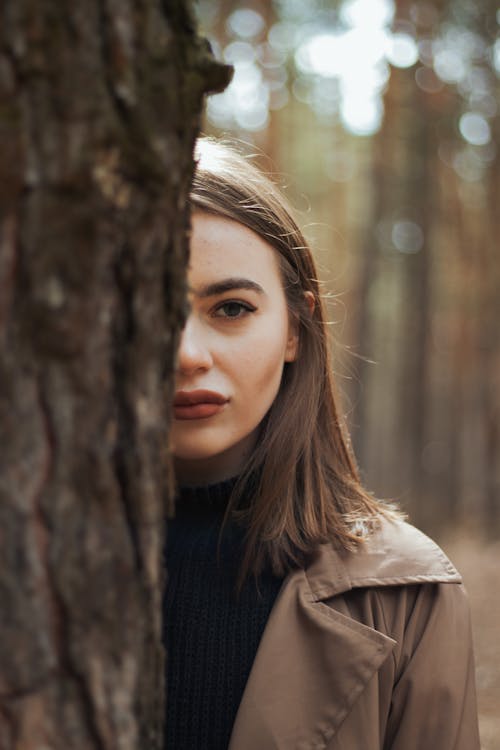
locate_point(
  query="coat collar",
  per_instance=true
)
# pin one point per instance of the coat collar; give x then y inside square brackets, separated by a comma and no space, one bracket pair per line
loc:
[396,554]
[313,662]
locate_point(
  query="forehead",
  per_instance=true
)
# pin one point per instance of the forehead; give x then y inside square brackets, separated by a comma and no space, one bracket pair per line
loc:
[221,247]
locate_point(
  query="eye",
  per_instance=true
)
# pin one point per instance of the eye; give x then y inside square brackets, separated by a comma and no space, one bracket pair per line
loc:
[233,309]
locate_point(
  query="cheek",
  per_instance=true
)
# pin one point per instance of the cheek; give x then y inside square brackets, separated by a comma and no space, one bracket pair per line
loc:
[261,366]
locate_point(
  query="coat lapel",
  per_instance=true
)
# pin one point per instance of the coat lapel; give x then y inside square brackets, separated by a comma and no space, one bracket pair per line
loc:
[311,666]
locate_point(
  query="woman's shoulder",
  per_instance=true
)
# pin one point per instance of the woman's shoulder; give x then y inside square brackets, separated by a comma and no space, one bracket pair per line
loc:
[393,553]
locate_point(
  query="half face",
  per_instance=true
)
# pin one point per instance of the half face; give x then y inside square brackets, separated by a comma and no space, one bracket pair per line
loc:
[233,348]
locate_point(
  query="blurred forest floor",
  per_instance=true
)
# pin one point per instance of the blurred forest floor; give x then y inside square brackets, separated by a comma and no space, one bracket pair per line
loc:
[479,563]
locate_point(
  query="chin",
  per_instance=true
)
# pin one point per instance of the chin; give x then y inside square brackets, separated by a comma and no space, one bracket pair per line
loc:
[193,454]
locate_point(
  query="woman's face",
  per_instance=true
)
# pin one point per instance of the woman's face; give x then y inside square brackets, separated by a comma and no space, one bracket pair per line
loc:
[233,348]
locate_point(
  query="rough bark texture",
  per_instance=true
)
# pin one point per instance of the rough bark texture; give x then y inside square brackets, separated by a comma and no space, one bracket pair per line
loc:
[99,107]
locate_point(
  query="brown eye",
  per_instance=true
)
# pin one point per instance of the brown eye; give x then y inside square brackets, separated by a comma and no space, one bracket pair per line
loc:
[233,309]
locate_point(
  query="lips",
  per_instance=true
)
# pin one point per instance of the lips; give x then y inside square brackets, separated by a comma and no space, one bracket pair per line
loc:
[199,404]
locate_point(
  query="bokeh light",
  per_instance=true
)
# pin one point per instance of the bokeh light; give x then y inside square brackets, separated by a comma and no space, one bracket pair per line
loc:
[449,65]
[245,23]
[282,36]
[427,80]
[369,14]
[337,61]
[240,53]
[356,59]
[468,166]
[402,50]
[474,128]
[362,115]
[407,236]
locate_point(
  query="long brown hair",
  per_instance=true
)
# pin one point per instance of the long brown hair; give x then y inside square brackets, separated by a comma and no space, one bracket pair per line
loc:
[304,481]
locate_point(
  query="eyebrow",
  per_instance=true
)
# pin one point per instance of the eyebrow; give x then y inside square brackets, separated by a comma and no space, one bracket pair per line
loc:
[227,285]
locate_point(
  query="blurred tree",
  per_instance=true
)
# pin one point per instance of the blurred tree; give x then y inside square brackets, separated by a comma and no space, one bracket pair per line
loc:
[99,109]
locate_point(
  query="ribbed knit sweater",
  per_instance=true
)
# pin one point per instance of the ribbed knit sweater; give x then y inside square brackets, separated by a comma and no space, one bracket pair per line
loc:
[211,633]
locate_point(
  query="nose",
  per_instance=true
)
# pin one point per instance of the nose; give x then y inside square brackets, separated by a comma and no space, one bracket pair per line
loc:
[193,354]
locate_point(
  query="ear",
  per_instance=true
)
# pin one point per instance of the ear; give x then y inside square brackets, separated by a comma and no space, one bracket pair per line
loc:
[309,298]
[292,346]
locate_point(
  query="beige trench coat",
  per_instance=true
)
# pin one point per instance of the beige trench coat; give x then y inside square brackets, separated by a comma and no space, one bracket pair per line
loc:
[365,651]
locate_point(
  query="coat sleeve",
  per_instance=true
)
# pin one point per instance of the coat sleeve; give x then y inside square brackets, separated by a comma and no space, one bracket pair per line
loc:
[434,698]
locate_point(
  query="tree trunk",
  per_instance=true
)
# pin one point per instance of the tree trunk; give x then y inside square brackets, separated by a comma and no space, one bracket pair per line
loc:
[99,108]
[490,353]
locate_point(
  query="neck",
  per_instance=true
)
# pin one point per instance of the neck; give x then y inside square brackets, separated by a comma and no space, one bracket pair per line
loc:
[204,471]
[197,474]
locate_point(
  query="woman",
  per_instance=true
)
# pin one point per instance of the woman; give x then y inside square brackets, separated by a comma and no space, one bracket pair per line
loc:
[300,611]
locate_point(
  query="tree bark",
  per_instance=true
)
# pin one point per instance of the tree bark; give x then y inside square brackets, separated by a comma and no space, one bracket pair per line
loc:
[99,107]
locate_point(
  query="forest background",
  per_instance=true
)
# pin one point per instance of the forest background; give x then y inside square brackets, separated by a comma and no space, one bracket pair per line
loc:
[381,120]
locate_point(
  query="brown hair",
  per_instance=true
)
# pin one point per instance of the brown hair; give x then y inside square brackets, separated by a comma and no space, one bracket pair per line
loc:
[305,483]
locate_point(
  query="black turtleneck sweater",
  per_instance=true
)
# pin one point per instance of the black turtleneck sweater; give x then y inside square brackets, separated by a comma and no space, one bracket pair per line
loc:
[211,633]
